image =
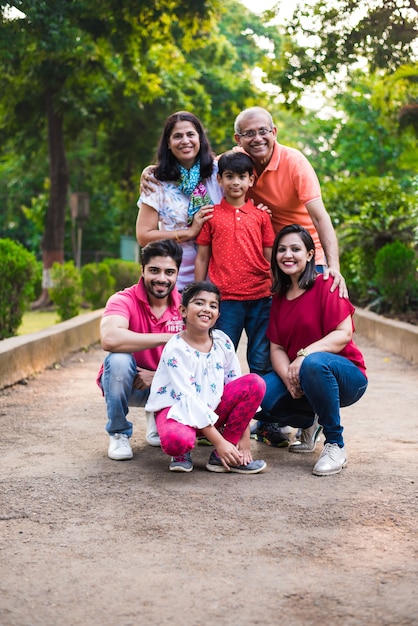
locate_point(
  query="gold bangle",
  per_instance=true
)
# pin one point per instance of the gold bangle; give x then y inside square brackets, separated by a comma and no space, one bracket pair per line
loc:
[176,236]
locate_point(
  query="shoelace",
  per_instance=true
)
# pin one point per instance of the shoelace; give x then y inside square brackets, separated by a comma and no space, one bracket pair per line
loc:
[331,450]
[182,458]
[121,441]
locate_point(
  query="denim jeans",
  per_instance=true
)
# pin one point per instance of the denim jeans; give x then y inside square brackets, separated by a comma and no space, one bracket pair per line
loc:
[118,376]
[329,381]
[253,317]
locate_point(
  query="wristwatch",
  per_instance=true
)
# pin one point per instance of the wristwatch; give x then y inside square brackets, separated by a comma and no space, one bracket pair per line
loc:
[302,352]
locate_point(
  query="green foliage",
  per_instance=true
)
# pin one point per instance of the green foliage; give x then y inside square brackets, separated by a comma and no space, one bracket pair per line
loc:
[380,207]
[98,284]
[18,277]
[337,36]
[66,293]
[125,273]
[369,213]
[113,77]
[353,265]
[395,275]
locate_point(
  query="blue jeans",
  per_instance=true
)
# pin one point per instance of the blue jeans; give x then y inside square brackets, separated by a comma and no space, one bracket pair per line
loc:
[329,381]
[253,317]
[117,380]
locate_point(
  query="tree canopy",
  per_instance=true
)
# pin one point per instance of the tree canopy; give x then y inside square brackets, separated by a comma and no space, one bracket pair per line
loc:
[327,40]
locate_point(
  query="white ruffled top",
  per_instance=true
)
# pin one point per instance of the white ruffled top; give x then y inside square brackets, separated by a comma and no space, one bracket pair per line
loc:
[192,382]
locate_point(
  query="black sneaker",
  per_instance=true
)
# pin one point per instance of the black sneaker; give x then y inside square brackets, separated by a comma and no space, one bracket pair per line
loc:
[272,435]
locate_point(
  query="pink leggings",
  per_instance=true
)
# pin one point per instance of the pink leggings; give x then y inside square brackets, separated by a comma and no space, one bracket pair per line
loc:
[240,400]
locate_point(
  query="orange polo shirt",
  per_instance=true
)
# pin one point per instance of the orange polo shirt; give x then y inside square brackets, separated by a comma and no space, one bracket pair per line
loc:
[286,185]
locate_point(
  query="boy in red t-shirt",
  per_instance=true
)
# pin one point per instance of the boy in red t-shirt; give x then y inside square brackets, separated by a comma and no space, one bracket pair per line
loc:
[234,249]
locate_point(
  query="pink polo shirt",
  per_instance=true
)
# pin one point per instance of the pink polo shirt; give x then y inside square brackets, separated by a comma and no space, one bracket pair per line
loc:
[286,185]
[132,303]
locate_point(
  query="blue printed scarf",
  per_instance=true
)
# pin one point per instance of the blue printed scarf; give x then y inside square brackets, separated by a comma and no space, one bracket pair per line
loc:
[191,185]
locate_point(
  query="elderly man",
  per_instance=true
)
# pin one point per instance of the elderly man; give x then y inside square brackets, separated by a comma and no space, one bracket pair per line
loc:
[287,184]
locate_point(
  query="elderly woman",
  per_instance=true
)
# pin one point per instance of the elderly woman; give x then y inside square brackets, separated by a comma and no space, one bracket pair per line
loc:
[186,188]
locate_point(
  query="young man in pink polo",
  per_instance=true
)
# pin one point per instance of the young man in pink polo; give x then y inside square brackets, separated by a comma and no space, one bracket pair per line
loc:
[136,324]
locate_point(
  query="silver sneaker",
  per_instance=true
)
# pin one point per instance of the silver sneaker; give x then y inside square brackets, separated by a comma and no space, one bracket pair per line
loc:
[309,437]
[332,460]
[119,448]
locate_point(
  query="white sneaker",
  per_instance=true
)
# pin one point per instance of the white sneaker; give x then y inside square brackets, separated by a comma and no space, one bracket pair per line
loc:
[332,460]
[119,448]
[152,436]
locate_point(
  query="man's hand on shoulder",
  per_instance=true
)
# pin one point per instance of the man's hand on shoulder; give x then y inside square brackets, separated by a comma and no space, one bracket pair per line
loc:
[262,207]
[338,281]
[148,182]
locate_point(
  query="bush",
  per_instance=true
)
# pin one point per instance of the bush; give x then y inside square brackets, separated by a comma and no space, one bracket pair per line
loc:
[125,273]
[98,284]
[18,278]
[66,293]
[394,278]
[368,213]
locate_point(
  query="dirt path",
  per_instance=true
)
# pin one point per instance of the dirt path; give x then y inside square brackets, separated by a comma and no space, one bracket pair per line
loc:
[86,540]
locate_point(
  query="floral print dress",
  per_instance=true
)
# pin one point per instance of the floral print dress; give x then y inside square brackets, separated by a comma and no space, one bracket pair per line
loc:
[192,382]
[171,205]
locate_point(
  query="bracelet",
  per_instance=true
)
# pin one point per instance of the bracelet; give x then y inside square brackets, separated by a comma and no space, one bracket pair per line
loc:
[302,352]
[176,236]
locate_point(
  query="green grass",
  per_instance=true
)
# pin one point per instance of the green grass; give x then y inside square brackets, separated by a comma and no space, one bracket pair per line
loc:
[33,321]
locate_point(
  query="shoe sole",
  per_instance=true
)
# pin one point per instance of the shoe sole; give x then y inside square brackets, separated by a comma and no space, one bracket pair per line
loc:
[282,444]
[331,472]
[181,469]
[120,458]
[220,469]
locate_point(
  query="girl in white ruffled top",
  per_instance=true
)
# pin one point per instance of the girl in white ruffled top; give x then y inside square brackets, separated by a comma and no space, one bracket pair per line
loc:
[198,389]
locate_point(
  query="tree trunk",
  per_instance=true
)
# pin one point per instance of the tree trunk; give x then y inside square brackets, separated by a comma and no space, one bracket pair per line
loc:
[53,237]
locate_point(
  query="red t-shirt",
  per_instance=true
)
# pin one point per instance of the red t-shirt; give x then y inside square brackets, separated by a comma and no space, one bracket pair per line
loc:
[237,237]
[132,303]
[294,324]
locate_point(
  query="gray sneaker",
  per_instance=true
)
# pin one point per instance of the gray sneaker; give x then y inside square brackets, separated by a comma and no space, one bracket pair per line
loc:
[309,437]
[182,463]
[215,465]
[332,460]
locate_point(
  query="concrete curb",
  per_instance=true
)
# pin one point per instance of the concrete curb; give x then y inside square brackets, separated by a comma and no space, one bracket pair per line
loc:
[26,355]
[23,356]
[390,335]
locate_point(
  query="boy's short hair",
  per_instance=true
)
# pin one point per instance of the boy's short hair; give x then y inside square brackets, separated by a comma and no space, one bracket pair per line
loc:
[236,162]
[163,247]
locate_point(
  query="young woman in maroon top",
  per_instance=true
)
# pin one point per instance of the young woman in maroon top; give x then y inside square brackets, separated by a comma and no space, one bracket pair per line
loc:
[317,367]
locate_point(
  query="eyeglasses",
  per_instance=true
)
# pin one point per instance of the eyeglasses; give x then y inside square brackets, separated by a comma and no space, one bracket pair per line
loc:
[252,133]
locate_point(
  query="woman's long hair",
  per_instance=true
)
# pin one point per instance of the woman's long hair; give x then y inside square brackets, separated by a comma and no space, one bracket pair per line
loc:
[281,281]
[167,165]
